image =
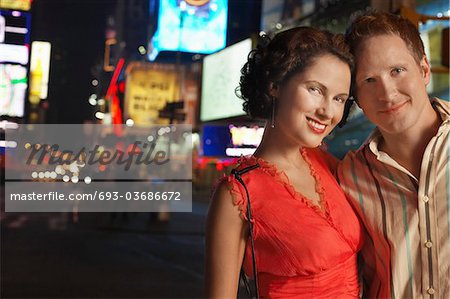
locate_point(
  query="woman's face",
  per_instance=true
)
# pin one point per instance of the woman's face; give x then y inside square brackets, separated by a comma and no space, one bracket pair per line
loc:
[312,102]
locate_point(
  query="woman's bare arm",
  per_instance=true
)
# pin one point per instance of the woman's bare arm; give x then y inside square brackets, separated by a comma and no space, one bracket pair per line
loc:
[226,233]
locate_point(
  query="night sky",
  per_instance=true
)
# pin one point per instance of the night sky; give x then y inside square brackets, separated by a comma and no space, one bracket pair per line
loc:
[76,29]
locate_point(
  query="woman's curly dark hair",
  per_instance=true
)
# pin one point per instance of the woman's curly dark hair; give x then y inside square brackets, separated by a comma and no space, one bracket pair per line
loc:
[275,61]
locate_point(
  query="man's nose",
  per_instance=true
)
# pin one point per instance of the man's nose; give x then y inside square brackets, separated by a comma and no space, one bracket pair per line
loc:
[385,90]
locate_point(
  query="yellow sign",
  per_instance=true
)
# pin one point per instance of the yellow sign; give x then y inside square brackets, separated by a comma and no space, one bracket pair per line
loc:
[39,71]
[16,4]
[148,88]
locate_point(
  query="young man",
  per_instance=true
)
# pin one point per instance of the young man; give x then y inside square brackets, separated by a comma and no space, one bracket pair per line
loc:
[399,181]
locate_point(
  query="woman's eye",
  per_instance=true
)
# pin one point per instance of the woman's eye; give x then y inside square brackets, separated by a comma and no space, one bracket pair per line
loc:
[315,90]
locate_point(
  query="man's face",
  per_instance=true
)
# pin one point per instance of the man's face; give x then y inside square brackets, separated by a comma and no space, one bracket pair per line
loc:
[390,84]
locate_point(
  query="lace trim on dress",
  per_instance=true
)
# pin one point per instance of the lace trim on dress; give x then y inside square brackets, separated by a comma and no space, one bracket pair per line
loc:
[281,177]
[319,187]
[238,195]
[324,201]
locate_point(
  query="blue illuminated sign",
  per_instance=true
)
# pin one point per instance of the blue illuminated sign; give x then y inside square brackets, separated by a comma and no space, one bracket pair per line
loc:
[190,26]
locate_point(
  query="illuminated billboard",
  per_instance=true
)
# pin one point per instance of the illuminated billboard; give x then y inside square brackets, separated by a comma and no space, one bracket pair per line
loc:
[149,88]
[230,141]
[215,141]
[221,74]
[14,36]
[13,87]
[190,26]
[39,70]
[14,56]
[14,27]
[16,4]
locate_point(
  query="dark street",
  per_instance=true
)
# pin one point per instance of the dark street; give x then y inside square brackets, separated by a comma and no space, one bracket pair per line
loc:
[102,255]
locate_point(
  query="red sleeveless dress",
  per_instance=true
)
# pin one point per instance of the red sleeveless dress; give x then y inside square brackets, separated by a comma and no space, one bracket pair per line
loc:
[302,250]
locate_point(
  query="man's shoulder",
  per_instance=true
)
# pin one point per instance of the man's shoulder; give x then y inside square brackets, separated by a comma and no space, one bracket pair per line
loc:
[356,165]
[443,103]
[365,152]
[443,108]
[355,155]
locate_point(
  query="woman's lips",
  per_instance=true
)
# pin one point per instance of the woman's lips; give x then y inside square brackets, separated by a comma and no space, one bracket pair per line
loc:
[316,126]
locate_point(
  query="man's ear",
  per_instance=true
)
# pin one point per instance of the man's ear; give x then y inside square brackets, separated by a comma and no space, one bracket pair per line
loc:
[355,99]
[426,69]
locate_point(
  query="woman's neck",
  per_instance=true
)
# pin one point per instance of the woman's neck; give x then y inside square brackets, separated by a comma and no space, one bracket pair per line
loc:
[277,149]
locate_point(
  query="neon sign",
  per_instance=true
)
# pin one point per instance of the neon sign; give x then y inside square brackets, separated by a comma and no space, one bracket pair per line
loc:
[245,136]
[195,26]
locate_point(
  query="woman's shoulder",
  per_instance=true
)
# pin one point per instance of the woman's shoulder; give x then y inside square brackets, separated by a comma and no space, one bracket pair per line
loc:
[227,199]
[250,169]
[230,190]
[248,174]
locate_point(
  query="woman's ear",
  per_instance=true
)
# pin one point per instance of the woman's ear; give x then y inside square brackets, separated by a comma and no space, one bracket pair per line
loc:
[274,90]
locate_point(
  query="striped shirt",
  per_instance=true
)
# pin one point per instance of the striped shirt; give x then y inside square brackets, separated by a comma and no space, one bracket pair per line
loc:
[407,251]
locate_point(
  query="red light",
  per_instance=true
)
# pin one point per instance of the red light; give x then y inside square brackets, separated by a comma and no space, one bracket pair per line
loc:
[111,95]
[122,87]
[202,163]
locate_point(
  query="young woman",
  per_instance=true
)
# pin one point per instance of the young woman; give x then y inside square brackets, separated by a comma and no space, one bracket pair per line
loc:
[305,234]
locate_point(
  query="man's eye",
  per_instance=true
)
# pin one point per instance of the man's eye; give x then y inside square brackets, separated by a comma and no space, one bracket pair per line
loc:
[369,80]
[340,99]
[397,70]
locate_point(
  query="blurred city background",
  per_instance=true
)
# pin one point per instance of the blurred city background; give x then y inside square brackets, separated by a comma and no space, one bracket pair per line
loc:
[151,62]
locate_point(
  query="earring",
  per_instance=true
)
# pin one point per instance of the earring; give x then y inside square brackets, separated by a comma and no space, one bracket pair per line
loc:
[272,125]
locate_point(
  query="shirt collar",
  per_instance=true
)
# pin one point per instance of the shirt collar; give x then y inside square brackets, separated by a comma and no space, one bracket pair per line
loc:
[374,139]
[441,106]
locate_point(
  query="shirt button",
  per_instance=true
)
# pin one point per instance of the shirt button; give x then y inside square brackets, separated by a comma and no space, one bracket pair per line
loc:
[430,291]
[425,198]
[428,244]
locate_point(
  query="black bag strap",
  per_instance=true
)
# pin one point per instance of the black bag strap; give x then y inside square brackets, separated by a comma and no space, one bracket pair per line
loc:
[237,175]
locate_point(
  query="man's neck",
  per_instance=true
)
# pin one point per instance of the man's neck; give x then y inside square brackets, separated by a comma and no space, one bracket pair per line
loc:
[408,148]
